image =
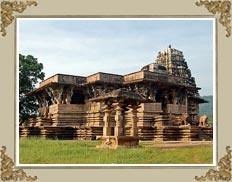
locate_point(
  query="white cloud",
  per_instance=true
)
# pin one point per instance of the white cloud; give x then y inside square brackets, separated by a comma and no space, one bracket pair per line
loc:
[73,48]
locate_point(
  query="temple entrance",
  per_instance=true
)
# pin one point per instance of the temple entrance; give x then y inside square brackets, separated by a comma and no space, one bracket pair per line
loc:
[112,131]
[118,101]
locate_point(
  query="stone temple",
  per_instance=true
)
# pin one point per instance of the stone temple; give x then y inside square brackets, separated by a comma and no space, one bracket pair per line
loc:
[159,102]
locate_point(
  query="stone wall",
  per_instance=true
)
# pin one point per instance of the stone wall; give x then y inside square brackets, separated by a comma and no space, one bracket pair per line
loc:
[94,114]
[176,109]
[67,114]
[147,112]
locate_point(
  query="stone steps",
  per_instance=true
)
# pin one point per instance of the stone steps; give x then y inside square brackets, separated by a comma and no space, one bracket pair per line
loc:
[205,133]
[63,133]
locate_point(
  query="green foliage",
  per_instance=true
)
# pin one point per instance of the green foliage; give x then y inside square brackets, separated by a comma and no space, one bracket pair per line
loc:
[41,151]
[30,72]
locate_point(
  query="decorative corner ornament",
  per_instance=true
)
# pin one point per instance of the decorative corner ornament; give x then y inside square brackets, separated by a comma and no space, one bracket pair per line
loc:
[7,12]
[221,7]
[8,169]
[224,169]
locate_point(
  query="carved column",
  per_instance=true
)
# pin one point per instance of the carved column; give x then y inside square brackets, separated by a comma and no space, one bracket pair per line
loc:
[155,93]
[40,102]
[134,120]
[55,94]
[186,103]
[59,92]
[118,130]
[106,119]
[151,95]
[165,102]
[44,106]
[51,94]
[69,95]
[43,109]
[174,97]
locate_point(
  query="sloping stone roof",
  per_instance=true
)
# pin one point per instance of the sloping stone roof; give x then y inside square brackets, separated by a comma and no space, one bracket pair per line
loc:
[120,94]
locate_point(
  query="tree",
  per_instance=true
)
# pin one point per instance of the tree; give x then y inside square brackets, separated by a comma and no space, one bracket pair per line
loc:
[30,72]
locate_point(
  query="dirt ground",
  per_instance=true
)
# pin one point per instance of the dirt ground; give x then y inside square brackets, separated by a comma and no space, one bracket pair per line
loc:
[175,144]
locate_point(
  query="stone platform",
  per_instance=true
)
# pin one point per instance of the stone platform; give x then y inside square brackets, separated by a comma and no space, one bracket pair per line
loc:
[114,142]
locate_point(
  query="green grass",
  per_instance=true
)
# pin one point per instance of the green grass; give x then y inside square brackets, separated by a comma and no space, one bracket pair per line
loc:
[40,151]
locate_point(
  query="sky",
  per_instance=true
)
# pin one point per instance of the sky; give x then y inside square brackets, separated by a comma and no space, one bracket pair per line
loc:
[120,46]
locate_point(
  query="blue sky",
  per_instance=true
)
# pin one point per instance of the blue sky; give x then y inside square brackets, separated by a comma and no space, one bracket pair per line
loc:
[84,47]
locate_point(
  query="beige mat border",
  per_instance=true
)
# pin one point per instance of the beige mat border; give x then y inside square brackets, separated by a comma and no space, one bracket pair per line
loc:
[222,8]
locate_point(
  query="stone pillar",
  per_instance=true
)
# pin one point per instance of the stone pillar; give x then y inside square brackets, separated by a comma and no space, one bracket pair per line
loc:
[134,120]
[43,109]
[50,93]
[159,134]
[56,94]
[152,94]
[69,95]
[40,102]
[174,97]
[186,103]
[118,130]
[59,92]
[165,102]
[44,106]
[106,119]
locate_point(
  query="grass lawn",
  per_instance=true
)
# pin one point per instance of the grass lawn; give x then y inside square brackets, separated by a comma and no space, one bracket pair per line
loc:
[40,151]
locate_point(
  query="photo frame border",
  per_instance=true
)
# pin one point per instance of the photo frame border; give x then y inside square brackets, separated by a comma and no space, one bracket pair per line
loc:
[224,165]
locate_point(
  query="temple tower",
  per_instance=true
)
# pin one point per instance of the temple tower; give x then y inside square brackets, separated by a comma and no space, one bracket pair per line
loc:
[175,64]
